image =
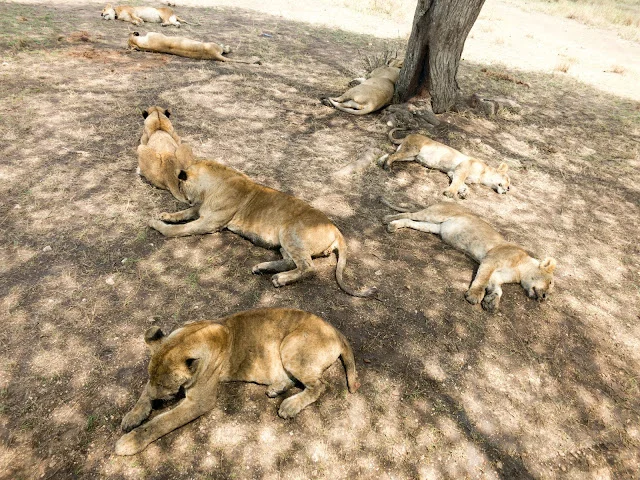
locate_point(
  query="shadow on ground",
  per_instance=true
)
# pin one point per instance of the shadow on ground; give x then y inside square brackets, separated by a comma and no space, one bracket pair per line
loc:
[449,391]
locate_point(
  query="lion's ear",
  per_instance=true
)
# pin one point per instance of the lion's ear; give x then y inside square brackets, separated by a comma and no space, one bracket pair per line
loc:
[136,34]
[145,114]
[167,112]
[503,167]
[182,175]
[153,335]
[548,265]
[192,364]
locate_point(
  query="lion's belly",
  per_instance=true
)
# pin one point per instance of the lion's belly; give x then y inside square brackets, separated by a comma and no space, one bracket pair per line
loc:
[472,239]
[439,157]
[148,14]
[267,238]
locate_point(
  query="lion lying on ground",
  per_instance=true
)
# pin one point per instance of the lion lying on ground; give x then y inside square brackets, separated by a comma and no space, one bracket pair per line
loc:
[139,15]
[500,261]
[276,347]
[461,168]
[161,153]
[225,198]
[373,93]
[183,47]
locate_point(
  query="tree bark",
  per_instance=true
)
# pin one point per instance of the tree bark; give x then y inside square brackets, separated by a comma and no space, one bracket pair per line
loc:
[440,28]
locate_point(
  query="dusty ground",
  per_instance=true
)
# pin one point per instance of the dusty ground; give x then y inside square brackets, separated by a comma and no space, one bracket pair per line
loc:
[449,391]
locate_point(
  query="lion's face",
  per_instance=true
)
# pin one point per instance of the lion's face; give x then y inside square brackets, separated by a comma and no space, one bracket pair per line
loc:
[170,368]
[108,13]
[499,180]
[538,280]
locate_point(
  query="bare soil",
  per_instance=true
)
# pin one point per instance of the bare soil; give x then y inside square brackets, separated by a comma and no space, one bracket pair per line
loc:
[449,391]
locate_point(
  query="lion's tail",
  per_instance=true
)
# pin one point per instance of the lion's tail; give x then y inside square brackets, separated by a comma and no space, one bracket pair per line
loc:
[187,23]
[392,139]
[397,208]
[349,363]
[342,262]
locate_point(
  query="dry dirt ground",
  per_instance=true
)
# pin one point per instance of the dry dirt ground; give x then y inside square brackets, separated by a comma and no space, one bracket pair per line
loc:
[449,391]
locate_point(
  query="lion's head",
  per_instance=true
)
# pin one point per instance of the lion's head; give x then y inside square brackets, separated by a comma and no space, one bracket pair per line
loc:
[537,280]
[108,13]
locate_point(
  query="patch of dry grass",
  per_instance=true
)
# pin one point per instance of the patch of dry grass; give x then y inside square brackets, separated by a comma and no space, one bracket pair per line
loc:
[621,15]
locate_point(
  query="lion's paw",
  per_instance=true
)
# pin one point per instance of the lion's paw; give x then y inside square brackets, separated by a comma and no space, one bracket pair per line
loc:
[156,224]
[129,444]
[165,217]
[490,302]
[472,297]
[391,228]
[290,407]
[449,193]
[277,280]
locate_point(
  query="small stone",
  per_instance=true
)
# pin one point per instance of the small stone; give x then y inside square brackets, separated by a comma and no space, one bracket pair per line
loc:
[17,206]
[124,260]
[110,280]
[47,248]
[378,272]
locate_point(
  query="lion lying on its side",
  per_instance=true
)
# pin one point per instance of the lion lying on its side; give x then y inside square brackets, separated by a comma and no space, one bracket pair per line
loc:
[272,346]
[139,15]
[161,153]
[225,198]
[500,261]
[373,93]
[461,168]
[183,47]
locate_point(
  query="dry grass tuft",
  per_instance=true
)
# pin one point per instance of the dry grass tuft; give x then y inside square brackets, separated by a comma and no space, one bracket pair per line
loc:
[504,76]
[619,69]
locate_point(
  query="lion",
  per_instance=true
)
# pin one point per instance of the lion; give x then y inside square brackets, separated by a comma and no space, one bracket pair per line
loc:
[161,152]
[461,168]
[221,197]
[138,15]
[372,93]
[183,47]
[276,347]
[500,261]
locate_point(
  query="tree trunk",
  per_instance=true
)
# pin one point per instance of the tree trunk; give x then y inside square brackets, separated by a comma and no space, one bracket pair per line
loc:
[440,28]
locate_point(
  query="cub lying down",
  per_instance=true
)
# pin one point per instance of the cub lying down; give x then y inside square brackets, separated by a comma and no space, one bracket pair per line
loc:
[460,167]
[183,47]
[276,347]
[500,261]
[139,15]
[225,198]
[161,152]
[373,93]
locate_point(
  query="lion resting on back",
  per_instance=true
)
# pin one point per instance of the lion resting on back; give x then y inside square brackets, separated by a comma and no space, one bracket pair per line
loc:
[183,47]
[500,261]
[271,346]
[225,198]
[373,93]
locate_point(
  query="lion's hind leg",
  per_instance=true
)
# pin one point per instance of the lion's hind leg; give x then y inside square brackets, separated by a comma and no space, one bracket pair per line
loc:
[416,225]
[294,248]
[305,355]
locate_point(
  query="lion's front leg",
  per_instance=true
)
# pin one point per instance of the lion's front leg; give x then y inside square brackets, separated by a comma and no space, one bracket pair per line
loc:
[139,413]
[186,411]
[476,291]
[196,227]
[460,174]
[181,216]
[136,20]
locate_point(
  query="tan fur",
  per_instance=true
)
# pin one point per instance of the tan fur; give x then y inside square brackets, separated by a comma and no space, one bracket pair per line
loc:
[161,152]
[500,261]
[183,47]
[139,15]
[225,198]
[272,346]
[461,168]
[373,93]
